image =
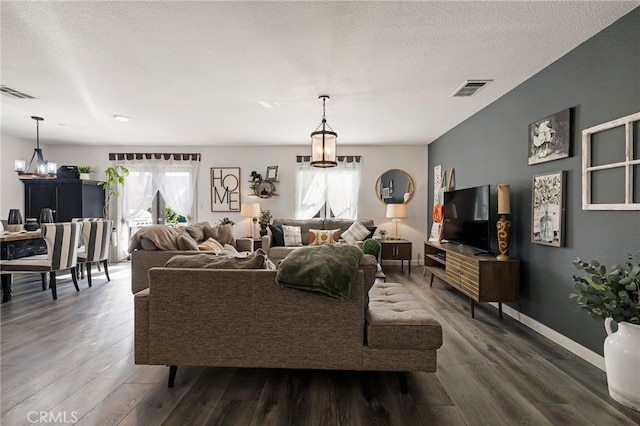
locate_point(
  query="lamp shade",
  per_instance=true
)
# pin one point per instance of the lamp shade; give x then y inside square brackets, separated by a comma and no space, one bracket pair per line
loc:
[250,210]
[396,210]
[504,198]
[323,148]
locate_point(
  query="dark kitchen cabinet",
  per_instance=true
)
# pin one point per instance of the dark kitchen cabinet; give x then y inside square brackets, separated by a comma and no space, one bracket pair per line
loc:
[68,198]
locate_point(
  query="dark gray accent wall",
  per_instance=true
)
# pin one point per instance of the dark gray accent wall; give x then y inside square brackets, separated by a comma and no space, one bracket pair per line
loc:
[600,81]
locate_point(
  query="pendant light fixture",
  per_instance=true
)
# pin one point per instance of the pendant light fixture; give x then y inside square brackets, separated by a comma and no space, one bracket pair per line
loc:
[323,142]
[42,168]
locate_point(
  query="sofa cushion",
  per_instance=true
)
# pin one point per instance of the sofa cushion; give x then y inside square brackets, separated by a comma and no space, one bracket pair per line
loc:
[397,320]
[221,233]
[323,236]
[344,224]
[356,232]
[305,225]
[255,260]
[196,231]
[185,242]
[277,234]
[292,236]
[211,244]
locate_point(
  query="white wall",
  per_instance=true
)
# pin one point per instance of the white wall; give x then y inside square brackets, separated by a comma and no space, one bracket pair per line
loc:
[376,160]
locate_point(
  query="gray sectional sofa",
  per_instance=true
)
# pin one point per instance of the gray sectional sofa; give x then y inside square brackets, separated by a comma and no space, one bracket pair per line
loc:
[243,318]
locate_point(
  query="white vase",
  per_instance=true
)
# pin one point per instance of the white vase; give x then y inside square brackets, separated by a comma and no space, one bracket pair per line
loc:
[622,362]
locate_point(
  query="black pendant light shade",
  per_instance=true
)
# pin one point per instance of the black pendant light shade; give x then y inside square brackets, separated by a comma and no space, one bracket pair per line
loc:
[323,142]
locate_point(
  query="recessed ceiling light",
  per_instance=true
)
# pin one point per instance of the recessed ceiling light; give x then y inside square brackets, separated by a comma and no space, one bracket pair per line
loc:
[121,117]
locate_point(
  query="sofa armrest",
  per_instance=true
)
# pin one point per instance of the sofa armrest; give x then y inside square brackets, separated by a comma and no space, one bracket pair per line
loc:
[244,244]
[141,326]
[266,243]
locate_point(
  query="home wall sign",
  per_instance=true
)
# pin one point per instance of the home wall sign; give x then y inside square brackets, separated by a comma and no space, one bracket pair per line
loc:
[225,189]
[611,165]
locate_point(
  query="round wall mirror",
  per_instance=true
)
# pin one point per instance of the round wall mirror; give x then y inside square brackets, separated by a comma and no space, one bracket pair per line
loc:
[394,186]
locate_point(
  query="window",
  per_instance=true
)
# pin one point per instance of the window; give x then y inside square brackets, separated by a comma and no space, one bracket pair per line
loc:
[331,192]
[611,165]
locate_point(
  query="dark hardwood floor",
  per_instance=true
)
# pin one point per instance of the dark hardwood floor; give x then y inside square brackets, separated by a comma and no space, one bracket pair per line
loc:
[71,361]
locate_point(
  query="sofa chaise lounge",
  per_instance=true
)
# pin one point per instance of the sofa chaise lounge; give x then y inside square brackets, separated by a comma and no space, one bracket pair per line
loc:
[242,318]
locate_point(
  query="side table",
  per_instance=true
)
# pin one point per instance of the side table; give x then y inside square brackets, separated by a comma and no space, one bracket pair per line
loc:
[397,250]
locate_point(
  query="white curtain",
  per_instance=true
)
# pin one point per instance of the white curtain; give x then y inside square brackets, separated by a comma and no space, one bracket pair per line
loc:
[311,189]
[178,185]
[338,187]
[343,189]
[175,179]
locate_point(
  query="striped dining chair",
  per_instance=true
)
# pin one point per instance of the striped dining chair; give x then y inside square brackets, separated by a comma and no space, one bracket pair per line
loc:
[96,236]
[62,254]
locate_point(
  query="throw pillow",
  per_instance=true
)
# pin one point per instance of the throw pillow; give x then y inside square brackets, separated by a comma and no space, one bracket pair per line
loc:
[185,242]
[323,236]
[372,230]
[356,232]
[277,234]
[210,244]
[221,233]
[196,231]
[292,236]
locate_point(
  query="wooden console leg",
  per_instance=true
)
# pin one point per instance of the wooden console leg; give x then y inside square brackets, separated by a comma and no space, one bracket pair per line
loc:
[431,281]
[500,309]
[402,377]
[172,374]
[6,287]
[472,308]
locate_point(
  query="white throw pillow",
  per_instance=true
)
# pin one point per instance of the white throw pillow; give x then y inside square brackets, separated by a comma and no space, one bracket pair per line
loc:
[292,236]
[356,232]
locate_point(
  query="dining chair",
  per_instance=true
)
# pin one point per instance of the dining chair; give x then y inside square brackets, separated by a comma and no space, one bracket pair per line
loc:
[62,254]
[96,236]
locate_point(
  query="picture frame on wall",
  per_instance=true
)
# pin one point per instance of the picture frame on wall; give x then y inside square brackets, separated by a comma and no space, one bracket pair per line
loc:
[225,189]
[548,209]
[550,138]
[272,173]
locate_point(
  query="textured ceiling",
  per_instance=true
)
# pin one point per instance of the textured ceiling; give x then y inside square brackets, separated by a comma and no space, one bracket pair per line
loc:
[249,73]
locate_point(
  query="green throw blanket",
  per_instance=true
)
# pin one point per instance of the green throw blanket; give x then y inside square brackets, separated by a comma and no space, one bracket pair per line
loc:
[326,269]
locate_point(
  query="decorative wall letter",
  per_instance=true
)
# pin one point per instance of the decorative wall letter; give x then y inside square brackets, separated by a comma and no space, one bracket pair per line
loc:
[225,189]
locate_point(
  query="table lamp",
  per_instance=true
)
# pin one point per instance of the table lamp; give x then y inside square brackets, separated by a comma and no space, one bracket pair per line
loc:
[396,212]
[503,225]
[251,211]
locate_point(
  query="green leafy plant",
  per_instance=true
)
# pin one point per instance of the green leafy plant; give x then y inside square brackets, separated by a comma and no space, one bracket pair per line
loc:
[114,176]
[84,169]
[371,246]
[612,293]
[172,217]
[265,218]
[226,221]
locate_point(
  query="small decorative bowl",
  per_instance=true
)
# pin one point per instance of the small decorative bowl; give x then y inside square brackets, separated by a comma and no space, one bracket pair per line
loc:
[31,224]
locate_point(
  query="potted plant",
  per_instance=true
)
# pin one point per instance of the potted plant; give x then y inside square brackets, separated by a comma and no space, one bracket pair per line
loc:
[264,220]
[226,221]
[84,172]
[614,296]
[114,176]
[371,246]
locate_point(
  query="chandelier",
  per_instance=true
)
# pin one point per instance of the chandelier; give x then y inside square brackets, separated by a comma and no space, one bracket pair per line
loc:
[42,167]
[323,142]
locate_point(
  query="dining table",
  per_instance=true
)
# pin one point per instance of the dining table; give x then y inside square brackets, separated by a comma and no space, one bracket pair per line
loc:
[16,245]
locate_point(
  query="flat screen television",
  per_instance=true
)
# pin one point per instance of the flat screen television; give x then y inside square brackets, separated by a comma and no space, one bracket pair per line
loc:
[466,216]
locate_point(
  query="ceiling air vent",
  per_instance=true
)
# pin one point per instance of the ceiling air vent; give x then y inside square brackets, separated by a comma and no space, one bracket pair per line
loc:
[470,88]
[12,93]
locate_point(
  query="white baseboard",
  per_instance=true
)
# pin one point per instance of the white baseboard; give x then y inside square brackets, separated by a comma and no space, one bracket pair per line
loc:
[584,353]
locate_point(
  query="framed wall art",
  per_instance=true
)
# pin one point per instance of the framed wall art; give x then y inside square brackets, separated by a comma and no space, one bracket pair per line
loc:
[550,137]
[272,173]
[225,189]
[547,217]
